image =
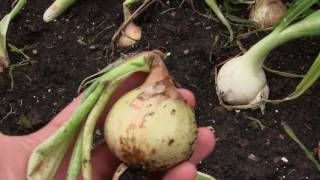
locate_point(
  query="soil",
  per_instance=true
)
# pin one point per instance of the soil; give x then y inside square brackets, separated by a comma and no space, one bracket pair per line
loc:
[66,51]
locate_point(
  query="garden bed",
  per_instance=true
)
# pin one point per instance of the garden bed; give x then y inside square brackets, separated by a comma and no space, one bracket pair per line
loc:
[61,57]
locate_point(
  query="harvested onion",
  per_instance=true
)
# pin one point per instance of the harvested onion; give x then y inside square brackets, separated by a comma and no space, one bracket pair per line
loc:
[152,127]
[267,13]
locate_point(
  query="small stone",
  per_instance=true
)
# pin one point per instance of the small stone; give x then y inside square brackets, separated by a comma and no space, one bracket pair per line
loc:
[276,159]
[252,157]
[186,52]
[173,14]
[284,159]
[92,47]
[98,132]
[34,51]
[281,136]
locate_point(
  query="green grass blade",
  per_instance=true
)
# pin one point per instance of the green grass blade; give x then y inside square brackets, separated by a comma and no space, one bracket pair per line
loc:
[215,8]
[293,136]
[293,12]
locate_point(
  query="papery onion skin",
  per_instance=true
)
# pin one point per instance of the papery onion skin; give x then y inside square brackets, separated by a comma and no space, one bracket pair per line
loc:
[267,13]
[151,127]
[130,36]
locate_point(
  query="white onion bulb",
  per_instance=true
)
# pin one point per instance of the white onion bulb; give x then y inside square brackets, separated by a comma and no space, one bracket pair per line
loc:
[239,82]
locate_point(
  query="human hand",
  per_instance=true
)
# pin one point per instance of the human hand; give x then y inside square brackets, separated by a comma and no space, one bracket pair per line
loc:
[16,150]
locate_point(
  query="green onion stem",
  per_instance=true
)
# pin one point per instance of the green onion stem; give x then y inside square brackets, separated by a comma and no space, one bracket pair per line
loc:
[130,3]
[4,24]
[293,136]
[203,176]
[310,26]
[75,161]
[63,136]
[296,10]
[56,9]
[17,8]
[89,128]
[215,8]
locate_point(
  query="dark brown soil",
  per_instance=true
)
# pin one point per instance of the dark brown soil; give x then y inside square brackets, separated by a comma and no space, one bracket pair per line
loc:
[60,61]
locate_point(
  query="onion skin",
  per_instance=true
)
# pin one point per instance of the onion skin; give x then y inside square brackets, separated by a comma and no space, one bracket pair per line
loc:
[152,127]
[267,13]
[130,36]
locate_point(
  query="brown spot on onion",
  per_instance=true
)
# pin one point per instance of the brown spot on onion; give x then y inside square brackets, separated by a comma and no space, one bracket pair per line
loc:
[171,141]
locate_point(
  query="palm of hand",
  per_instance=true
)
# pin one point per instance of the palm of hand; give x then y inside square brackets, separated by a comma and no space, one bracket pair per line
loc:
[17,149]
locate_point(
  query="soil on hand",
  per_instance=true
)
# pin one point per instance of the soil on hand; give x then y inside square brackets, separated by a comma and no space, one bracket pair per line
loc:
[76,45]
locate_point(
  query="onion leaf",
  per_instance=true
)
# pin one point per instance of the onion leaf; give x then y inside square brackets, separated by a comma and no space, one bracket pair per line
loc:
[56,9]
[203,176]
[309,79]
[215,8]
[294,11]
[293,136]
[4,24]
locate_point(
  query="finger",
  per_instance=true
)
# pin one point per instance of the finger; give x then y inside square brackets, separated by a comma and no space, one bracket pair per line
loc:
[184,171]
[103,162]
[205,144]
[188,96]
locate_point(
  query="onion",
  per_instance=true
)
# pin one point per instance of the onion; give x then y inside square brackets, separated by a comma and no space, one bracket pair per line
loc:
[152,127]
[130,36]
[241,82]
[267,13]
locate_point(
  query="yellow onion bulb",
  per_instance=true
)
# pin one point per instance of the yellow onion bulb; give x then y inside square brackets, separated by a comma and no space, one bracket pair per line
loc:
[130,36]
[267,13]
[152,127]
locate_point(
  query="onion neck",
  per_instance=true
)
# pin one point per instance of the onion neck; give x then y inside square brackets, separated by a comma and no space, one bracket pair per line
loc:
[159,78]
[258,53]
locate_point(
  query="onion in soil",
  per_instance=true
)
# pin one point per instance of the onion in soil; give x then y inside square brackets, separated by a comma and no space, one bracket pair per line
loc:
[267,13]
